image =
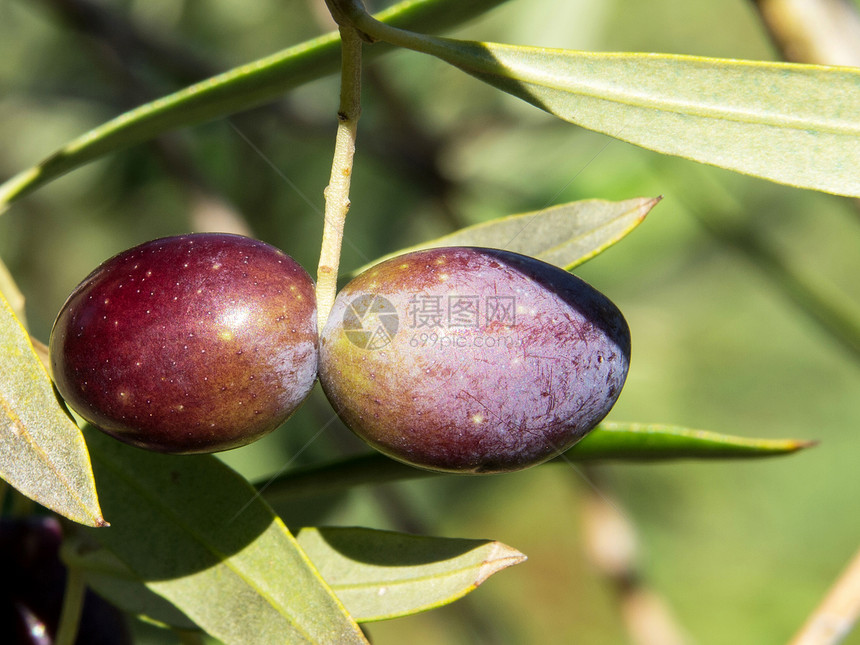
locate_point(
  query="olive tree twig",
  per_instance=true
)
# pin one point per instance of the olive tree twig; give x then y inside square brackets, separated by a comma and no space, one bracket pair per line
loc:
[838,612]
[337,191]
[826,32]
[611,544]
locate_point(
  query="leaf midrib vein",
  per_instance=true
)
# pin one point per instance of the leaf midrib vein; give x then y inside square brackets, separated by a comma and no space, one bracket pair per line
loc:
[528,75]
[416,579]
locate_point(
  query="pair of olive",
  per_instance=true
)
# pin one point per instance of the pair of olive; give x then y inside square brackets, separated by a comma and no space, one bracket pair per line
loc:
[456,359]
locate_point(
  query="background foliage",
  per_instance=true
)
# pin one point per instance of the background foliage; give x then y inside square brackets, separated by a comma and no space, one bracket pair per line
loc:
[738,550]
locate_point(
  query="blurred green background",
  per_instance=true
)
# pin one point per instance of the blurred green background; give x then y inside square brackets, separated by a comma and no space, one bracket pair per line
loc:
[740,552]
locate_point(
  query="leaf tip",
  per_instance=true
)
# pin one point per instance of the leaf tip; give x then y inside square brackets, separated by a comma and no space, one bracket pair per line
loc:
[500,557]
[795,445]
[790,446]
[649,205]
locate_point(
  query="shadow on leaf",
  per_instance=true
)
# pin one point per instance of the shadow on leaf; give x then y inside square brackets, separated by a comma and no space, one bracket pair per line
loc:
[172,515]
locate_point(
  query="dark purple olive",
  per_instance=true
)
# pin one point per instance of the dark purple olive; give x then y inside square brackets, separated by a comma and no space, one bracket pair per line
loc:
[32,585]
[472,360]
[188,344]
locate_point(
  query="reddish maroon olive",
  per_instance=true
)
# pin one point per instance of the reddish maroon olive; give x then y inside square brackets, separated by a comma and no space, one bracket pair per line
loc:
[188,344]
[472,360]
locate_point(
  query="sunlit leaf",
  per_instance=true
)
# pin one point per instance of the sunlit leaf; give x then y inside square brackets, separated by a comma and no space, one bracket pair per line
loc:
[566,235]
[235,90]
[375,574]
[607,442]
[197,534]
[380,575]
[790,123]
[42,452]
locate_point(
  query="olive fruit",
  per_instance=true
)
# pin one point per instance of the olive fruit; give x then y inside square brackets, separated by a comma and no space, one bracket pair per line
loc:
[188,344]
[33,584]
[472,360]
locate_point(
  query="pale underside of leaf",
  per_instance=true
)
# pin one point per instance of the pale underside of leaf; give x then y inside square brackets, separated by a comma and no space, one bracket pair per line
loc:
[565,235]
[790,123]
[42,452]
[380,575]
[197,535]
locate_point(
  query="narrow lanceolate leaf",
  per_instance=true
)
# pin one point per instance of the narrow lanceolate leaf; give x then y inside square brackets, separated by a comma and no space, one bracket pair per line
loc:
[233,91]
[607,442]
[790,123]
[566,235]
[376,574]
[652,442]
[380,575]
[196,534]
[42,452]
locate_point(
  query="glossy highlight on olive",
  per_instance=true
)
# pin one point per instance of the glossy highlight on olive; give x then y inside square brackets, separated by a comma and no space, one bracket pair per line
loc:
[188,344]
[472,360]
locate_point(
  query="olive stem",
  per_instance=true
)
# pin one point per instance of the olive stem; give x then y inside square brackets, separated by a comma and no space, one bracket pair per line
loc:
[354,14]
[73,604]
[337,192]
[838,612]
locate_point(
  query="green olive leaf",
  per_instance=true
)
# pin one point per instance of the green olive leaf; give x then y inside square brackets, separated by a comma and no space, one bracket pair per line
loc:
[565,235]
[607,442]
[790,123]
[109,576]
[380,575]
[235,90]
[42,452]
[377,575]
[657,442]
[199,536]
